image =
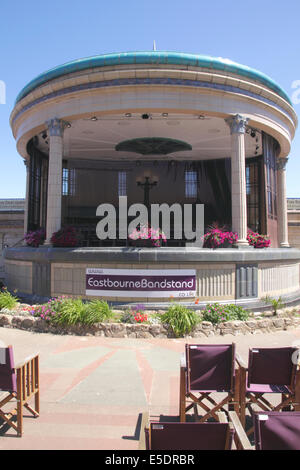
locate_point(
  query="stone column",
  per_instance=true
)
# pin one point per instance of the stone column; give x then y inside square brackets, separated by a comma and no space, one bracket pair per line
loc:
[26,208]
[237,126]
[282,221]
[56,129]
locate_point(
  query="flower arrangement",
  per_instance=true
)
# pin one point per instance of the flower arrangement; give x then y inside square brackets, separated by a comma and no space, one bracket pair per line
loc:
[138,313]
[65,310]
[35,238]
[257,240]
[217,313]
[148,234]
[216,238]
[65,237]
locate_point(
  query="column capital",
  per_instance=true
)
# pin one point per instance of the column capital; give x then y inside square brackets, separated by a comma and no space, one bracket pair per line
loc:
[281,163]
[26,163]
[56,127]
[237,124]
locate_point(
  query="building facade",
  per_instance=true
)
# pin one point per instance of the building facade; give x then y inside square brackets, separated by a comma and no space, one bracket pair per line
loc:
[293,210]
[11,226]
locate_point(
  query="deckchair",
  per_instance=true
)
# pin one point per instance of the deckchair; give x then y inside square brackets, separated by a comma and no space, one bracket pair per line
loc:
[272,371]
[18,384]
[205,370]
[156,435]
[277,430]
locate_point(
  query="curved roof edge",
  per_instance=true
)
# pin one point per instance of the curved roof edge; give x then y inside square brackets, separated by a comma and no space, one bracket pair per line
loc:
[153,57]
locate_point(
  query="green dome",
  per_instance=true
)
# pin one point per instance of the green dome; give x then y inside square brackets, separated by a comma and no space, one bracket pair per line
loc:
[153,57]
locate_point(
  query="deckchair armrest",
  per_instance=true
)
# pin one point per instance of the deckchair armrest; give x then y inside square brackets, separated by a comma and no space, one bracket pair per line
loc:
[183,361]
[144,424]
[26,361]
[240,432]
[241,362]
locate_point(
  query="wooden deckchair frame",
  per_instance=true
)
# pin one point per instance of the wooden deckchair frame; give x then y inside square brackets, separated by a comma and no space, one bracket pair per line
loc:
[231,400]
[27,378]
[247,399]
[240,438]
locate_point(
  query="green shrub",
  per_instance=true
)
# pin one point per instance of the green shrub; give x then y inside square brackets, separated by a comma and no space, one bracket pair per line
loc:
[7,300]
[96,311]
[180,319]
[71,311]
[216,313]
[276,303]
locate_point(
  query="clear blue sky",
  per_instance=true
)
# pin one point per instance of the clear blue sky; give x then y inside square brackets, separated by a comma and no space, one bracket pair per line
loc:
[37,36]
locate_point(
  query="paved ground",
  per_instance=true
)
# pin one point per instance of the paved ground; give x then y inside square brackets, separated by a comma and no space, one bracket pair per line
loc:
[94,389]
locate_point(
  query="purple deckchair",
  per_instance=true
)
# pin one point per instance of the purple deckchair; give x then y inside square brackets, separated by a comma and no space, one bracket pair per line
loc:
[8,381]
[189,436]
[173,435]
[208,369]
[276,430]
[18,383]
[270,370]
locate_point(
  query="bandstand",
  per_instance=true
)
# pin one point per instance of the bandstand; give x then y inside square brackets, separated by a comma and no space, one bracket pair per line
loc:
[156,128]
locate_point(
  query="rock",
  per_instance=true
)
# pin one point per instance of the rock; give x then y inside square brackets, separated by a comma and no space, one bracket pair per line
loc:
[267,314]
[17,321]
[278,322]
[40,325]
[264,323]
[27,323]
[155,330]
[206,325]
[4,320]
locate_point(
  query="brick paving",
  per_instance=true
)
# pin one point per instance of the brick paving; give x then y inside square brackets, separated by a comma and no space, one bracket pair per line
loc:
[94,389]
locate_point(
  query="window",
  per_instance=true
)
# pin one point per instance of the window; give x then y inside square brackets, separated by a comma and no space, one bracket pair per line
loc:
[253,169]
[38,183]
[270,148]
[122,183]
[68,182]
[191,184]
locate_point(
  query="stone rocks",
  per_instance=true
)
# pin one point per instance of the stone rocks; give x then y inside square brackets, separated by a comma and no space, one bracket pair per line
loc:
[4,320]
[258,323]
[128,330]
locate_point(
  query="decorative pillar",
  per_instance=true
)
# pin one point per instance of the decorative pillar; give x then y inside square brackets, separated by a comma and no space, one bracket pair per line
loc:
[237,126]
[282,221]
[56,130]
[26,209]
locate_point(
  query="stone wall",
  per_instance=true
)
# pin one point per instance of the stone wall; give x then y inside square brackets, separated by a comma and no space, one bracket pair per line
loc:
[11,226]
[125,330]
[294,228]
[222,275]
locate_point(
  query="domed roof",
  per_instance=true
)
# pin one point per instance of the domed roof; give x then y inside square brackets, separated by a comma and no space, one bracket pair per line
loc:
[154,58]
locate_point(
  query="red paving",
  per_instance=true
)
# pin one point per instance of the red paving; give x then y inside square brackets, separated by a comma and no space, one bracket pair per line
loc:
[93,390]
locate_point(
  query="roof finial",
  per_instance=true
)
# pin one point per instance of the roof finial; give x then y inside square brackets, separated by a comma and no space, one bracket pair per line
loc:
[154,45]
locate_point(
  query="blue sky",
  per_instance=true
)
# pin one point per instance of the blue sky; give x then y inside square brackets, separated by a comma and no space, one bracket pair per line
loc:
[37,36]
